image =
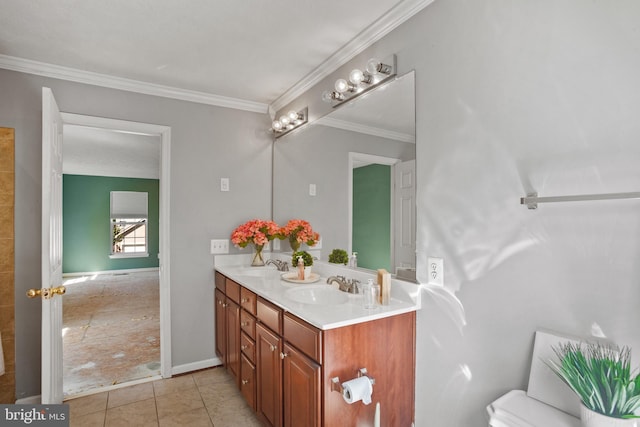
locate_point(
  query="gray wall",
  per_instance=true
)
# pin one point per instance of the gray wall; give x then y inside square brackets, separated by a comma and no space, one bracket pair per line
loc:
[513,97]
[207,143]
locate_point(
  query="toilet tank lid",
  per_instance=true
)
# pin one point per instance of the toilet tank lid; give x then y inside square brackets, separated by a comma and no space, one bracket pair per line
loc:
[516,409]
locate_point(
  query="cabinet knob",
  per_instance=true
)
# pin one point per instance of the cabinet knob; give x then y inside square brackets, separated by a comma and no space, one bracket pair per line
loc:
[245,382]
[273,347]
[225,305]
[283,355]
[243,347]
[243,300]
[244,324]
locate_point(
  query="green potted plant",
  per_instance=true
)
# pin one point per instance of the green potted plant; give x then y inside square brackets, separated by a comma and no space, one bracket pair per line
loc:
[306,258]
[601,377]
[339,256]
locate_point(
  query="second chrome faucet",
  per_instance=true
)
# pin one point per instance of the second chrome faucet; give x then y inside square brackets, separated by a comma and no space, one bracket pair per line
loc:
[344,284]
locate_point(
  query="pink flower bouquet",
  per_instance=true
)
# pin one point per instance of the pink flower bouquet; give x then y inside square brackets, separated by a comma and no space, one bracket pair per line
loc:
[299,231]
[258,232]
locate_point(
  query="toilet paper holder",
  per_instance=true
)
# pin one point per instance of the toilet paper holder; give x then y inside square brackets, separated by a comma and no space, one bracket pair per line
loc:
[336,385]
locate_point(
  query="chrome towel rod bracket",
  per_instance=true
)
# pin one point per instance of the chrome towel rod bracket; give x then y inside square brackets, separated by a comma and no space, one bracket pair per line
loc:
[532,199]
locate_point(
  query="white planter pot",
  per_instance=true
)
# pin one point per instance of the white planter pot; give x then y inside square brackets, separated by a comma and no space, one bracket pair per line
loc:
[307,272]
[594,419]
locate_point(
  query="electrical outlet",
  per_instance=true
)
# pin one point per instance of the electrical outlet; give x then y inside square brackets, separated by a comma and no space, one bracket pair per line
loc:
[436,271]
[312,189]
[276,244]
[219,246]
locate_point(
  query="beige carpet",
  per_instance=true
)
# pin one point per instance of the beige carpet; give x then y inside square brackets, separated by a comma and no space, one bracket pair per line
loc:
[111,330]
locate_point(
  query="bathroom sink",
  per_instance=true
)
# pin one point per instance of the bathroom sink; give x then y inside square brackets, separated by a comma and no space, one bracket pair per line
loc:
[256,272]
[317,295]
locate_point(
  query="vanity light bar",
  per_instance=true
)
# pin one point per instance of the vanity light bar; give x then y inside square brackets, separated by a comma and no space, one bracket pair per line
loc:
[288,122]
[360,81]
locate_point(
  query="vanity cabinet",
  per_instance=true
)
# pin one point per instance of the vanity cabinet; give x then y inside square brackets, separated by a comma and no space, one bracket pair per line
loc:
[286,365]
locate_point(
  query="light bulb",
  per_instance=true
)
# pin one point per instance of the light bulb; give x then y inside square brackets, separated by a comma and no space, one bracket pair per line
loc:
[276,125]
[293,115]
[342,85]
[375,66]
[284,120]
[356,76]
[326,96]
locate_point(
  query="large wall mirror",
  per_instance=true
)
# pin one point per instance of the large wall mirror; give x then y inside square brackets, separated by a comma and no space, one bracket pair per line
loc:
[351,174]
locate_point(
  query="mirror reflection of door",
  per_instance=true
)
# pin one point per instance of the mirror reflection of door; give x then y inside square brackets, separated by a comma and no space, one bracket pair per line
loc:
[383,212]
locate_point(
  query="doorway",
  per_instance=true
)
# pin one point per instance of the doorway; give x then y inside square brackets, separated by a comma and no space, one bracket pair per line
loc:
[117,288]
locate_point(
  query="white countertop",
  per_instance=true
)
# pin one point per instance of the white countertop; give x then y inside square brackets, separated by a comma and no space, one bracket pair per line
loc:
[267,283]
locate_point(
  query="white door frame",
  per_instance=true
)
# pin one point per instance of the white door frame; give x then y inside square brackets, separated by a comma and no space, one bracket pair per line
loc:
[354,159]
[164,132]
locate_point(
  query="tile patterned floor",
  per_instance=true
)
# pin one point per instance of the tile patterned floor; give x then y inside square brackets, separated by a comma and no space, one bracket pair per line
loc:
[111,327]
[203,398]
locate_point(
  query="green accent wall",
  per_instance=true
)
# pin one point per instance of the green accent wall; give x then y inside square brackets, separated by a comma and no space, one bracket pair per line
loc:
[86,227]
[372,216]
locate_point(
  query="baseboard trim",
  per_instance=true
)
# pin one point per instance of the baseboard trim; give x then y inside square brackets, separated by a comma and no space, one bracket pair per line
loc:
[113,387]
[196,366]
[95,273]
[31,400]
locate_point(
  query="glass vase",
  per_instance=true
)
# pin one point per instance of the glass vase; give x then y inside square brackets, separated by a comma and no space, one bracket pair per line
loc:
[258,261]
[293,242]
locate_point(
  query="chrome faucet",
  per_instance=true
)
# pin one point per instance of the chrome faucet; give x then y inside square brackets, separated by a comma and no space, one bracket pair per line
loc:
[345,285]
[280,265]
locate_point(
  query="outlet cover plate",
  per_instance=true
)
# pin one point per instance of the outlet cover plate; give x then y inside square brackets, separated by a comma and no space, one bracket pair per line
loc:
[435,271]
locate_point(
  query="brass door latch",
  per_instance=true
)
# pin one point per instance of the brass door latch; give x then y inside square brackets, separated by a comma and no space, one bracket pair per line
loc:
[46,293]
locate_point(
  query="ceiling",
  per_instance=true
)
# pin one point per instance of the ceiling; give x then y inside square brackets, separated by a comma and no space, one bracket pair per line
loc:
[245,50]
[251,55]
[105,152]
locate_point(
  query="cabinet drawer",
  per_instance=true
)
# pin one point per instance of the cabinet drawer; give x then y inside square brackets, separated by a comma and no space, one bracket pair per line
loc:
[248,324]
[270,315]
[248,347]
[248,300]
[220,281]
[232,290]
[303,336]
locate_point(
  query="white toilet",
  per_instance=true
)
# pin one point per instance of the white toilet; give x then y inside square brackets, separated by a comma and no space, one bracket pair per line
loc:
[548,402]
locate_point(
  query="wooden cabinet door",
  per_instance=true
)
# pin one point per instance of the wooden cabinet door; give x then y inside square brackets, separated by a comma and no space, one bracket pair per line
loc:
[269,370]
[248,381]
[233,340]
[221,326]
[301,390]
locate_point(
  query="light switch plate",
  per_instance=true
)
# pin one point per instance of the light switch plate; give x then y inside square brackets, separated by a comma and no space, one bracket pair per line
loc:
[224,184]
[312,189]
[219,246]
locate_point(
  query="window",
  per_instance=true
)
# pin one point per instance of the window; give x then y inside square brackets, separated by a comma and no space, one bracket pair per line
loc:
[129,224]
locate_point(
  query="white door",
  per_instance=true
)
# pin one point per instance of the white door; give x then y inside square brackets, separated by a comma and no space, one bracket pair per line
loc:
[51,250]
[405,214]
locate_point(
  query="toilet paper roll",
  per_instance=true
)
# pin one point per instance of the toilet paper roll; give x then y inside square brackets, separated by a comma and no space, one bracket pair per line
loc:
[357,389]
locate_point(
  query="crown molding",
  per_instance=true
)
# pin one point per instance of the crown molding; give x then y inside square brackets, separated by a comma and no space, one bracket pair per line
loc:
[369,130]
[374,32]
[87,77]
